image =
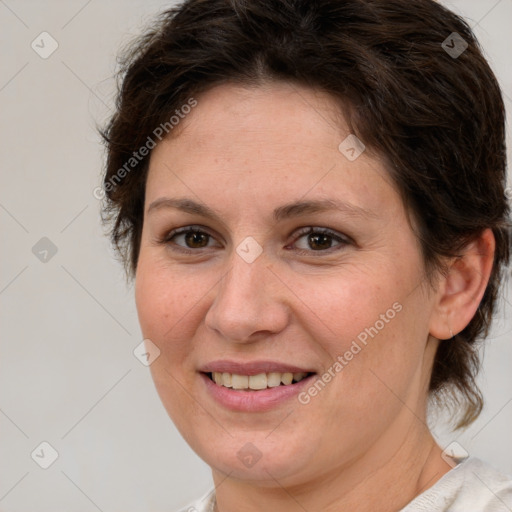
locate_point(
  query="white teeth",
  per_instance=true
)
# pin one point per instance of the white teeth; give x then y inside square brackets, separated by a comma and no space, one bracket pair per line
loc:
[273,379]
[226,380]
[256,382]
[239,381]
[286,378]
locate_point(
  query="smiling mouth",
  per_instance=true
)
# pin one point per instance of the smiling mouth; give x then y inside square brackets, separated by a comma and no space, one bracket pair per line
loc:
[257,382]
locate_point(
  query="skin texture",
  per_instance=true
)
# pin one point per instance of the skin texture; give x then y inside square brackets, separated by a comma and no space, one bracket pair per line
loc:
[362,442]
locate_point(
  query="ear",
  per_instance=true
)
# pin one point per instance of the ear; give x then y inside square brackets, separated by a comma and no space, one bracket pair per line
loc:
[461,290]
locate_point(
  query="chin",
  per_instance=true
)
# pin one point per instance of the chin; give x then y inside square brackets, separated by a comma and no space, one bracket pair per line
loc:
[255,456]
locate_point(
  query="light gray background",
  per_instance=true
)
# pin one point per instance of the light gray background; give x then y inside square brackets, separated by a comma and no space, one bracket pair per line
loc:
[67,372]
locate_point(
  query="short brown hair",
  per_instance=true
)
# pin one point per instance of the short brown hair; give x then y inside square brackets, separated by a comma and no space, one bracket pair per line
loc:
[437,119]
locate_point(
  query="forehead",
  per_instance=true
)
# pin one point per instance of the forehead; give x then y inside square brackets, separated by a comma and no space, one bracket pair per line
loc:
[262,113]
[277,140]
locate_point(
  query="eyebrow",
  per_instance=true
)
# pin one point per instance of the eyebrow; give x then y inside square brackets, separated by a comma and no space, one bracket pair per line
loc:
[283,212]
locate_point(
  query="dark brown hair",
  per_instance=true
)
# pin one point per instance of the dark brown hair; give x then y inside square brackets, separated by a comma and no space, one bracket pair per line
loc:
[435,116]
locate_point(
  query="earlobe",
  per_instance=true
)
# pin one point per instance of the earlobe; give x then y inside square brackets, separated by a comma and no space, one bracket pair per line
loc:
[462,287]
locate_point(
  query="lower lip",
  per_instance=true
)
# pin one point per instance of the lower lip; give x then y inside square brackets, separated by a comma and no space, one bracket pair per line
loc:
[254,401]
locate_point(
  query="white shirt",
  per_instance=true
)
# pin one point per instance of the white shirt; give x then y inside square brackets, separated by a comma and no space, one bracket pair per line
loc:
[471,486]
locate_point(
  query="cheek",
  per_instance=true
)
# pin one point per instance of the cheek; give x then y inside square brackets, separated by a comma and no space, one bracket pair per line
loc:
[171,306]
[166,312]
[386,372]
[373,327]
[149,291]
[348,305]
[162,298]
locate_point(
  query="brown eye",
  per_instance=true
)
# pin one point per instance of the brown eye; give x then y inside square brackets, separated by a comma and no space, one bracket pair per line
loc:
[196,239]
[319,240]
[188,239]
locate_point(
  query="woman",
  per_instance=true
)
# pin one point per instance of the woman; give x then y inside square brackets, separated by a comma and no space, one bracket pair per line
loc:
[310,197]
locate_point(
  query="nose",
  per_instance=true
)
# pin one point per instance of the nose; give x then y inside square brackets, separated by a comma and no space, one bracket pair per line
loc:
[250,302]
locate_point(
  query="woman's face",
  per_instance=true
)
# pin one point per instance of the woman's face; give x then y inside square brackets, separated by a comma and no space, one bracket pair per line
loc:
[272,284]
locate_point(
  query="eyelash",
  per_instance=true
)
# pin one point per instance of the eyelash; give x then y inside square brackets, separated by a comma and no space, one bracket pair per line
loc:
[342,239]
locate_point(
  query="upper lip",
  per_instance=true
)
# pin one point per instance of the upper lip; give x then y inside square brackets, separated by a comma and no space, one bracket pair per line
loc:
[251,368]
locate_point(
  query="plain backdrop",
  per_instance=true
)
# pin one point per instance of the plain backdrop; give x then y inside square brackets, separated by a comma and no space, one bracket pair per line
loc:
[68,375]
